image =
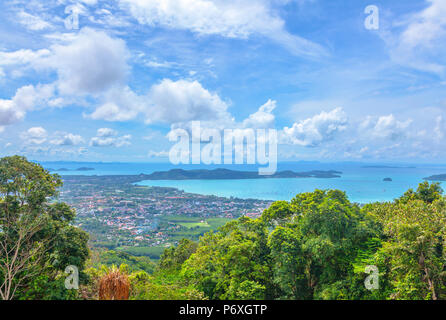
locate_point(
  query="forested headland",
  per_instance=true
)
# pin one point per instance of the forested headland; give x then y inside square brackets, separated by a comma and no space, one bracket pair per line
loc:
[316,246]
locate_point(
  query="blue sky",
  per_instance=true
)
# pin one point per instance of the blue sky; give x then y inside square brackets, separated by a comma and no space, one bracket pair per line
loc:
[133,70]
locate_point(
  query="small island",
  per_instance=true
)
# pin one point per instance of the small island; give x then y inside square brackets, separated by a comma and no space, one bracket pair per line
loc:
[85,169]
[387,167]
[78,169]
[438,177]
[387,179]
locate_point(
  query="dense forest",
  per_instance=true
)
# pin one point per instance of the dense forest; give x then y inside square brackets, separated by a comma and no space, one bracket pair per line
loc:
[317,246]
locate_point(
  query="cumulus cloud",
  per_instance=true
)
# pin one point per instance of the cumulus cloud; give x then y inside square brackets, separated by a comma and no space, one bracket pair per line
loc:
[227,18]
[263,118]
[9,113]
[121,104]
[182,101]
[106,137]
[67,139]
[106,132]
[316,130]
[89,63]
[384,127]
[169,102]
[22,57]
[35,135]
[25,99]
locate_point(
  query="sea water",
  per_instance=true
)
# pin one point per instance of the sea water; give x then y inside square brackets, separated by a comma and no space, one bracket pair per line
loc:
[363,183]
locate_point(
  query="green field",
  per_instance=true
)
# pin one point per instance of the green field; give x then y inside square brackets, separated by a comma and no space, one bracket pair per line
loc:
[151,252]
[194,228]
[191,225]
[194,222]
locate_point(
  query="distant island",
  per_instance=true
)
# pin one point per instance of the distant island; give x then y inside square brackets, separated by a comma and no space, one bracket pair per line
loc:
[226,174]
[438,177]
[386,167]
[78,169]
[85,169]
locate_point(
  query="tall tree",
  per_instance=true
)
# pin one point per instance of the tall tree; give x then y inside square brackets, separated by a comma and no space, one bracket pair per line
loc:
[36,235]
[413,251]
[232,263]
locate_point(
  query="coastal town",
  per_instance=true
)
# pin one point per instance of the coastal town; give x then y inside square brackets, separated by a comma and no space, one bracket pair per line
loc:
[121,215]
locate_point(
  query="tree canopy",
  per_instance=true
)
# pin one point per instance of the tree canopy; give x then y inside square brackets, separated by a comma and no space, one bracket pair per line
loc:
[319,245]
[37,238]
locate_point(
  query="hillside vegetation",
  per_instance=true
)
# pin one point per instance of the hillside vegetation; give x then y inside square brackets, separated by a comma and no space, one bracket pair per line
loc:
[316,246]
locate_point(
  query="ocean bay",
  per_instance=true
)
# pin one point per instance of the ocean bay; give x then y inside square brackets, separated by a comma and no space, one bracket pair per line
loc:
[362,182]
[361,189]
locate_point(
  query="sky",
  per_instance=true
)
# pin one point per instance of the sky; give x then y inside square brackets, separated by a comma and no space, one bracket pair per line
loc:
[94,80]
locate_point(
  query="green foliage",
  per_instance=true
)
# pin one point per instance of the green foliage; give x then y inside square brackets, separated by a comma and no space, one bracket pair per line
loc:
[314,247]
[37,239]
[174,257]
[161,287]
[134,263]
[288,263]
[425,192]
[232,263]
[413,249]
[150,252]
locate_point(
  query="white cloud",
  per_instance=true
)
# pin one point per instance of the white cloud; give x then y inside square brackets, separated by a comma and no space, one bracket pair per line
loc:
[32,22]
[316,130]
[263,118]
[384,127]
[35,135]
[421,40]
[25,99]
[227,18]
[427,26]
[9,113]
[183,101]
[68,139]
[121,104]
[107,18]
[160,154]
[90,2]
[89,63]
[171,102]
[107,137]
[439,127]
[106,132]
[22,57]
[156,64]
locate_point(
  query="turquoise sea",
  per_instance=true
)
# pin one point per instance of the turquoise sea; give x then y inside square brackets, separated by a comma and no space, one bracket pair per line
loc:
[362,182]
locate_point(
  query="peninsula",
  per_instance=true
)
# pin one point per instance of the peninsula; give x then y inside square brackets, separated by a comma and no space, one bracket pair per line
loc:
[226,174]
[438,177]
